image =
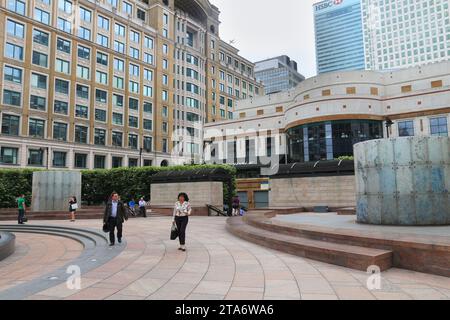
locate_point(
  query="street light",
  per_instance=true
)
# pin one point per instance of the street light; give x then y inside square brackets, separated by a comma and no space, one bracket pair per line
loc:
[389,124]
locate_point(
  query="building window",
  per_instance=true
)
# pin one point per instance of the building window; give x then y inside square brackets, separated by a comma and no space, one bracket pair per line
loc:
[62,66]
[100,115]
[9,155]
[63,45]
[133,141]
[100,137]
[62,86]
[81,111]
[17,6]
[102,58]
[148,124]
[99,162]
[82,92]
[117,101]
[42,16]
[13,74]
[38,81]
[59,159]
[84,33]
[83,72]
[406,129]
[117,119]
[439,127]
[65,6]
[40,37]
[80,161]
[133,122]
[148,144]
[148,107]
[406,89]
[10,125]
[12,98]
[61,107]
[116,162]
[133,104]
[36,128]
[103,22]
[35,157]
[40,59]
[117,139]
[15,29]
[60,131]
[38,103]
[13,51]
[103,40]
[132,163]
[101,96]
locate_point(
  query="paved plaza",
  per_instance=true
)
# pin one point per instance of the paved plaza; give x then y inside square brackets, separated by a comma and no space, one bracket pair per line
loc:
[217,265]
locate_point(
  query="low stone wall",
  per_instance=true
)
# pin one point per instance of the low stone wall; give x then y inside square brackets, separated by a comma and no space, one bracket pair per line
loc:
[333,191]
[200,193]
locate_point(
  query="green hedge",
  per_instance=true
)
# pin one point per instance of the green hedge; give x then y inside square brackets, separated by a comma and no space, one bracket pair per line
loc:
[12,184]
[97,185]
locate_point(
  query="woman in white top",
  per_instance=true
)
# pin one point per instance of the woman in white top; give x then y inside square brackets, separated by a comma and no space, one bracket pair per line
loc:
[181,213]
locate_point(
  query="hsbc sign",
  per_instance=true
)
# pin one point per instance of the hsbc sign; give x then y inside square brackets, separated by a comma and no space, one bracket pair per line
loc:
[328,4]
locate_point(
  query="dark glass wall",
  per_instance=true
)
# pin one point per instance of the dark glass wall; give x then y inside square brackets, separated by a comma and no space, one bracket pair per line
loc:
[330,140]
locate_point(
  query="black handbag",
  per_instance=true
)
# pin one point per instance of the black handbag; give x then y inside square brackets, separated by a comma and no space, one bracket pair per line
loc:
[174,232]
[105,227]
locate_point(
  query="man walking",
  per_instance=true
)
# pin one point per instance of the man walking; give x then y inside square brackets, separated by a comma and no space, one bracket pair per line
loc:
[22,207]
[142,207]
[115,215]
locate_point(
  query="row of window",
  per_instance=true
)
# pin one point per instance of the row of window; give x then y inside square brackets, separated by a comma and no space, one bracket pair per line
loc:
[36,128]
[438,127]
[36,157]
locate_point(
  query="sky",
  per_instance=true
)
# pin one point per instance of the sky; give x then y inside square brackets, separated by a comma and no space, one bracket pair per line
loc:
[264,29]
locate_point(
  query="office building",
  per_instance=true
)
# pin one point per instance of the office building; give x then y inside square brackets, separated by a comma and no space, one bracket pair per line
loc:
[278,74]
[110,83]
[400,34]
[339,35]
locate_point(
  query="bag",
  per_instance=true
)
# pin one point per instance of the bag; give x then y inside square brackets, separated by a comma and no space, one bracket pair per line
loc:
[24,219]
[174,232]
[105,228]
[242,212]
[74,206]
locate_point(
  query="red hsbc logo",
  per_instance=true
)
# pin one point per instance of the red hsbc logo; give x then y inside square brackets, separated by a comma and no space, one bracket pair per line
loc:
[327,4]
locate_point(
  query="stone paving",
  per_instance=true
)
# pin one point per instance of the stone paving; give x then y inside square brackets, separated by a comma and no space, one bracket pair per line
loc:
[216,266]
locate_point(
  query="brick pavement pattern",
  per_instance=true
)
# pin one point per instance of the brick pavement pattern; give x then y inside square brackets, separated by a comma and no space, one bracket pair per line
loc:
[217,265]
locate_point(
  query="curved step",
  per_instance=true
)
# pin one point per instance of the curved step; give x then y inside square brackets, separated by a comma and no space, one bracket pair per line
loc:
[7,244]
[96,253]
[349,256]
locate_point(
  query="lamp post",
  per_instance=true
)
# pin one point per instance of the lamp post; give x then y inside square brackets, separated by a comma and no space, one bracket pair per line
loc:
[140,157]
[389,124]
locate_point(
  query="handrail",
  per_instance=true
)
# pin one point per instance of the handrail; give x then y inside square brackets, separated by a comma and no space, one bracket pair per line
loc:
[216,210]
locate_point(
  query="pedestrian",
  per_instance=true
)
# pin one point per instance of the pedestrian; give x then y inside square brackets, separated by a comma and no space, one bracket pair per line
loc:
[131,206]
[142,207]
[22,208]
[73,206]
[115,215]
[236,206]
[181,214]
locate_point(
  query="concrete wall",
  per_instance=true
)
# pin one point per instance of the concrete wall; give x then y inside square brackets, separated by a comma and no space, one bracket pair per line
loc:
[200,193]
[53,189]
[338,191]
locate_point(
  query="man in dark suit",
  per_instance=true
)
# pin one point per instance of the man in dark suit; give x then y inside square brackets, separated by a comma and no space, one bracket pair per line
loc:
[115,215]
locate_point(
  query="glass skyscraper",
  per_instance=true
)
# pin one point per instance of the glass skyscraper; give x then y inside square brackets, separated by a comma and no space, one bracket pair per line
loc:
[339,35]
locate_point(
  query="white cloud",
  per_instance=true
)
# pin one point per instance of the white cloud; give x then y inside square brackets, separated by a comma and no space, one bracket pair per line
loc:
[265,28]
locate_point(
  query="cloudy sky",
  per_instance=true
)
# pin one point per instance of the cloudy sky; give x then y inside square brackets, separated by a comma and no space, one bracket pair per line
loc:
[265,28]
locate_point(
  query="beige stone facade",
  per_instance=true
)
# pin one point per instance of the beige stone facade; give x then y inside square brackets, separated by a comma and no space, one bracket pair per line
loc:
[335,191]
[111,83]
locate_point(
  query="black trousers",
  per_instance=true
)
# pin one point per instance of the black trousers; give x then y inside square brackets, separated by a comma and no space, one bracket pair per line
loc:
[113,223]
[143,211]
[21,215]
[182,223]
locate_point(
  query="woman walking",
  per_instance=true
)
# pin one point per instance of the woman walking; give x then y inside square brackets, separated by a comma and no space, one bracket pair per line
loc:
[236,206]
[73,206]
[181,214]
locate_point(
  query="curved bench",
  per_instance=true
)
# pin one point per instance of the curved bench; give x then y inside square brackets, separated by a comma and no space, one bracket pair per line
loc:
[7,244]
